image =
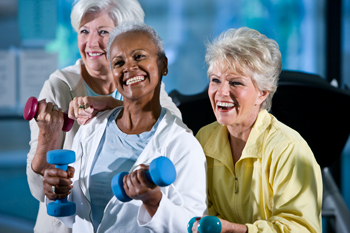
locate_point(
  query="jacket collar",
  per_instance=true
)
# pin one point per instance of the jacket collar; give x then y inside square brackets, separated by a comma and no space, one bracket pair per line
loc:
[218,145]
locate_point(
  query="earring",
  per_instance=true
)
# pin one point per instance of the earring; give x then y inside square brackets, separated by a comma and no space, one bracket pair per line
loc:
[165,73]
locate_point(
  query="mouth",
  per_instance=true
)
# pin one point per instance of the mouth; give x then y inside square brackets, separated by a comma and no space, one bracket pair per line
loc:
[225,106]
[94,55]
[134,80]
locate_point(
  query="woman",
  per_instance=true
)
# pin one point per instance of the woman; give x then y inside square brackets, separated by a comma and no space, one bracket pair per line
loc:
[262,176]
[146,131]
[90,76]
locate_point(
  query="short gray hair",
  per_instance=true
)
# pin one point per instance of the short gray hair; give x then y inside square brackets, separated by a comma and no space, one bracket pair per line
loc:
[246,51]
[133,26]
[118,10]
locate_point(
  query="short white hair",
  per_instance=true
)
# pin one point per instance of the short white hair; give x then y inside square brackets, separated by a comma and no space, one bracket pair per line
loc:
[250,53]
[133,26]
[118,10]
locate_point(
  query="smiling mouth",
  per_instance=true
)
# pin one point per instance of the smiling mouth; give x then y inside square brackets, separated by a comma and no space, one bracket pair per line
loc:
[134,80]
[225,105]
[94,54]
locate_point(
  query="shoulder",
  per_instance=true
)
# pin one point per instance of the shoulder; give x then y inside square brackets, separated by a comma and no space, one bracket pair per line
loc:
[68,76]
[205,132]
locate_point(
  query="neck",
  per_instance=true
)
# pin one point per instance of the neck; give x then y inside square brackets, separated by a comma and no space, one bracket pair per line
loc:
[101,83]
[139,115]
[238,137]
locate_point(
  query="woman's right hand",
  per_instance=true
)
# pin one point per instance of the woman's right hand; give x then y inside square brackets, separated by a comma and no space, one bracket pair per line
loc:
[83,109]
[49,118]
[60,179]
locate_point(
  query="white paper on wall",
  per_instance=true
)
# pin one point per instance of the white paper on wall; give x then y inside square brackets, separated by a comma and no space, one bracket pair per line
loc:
[7,79]
[35,66]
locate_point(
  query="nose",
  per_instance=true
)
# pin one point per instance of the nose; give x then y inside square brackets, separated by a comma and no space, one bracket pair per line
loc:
[129,66]
[224,89]
[94,39]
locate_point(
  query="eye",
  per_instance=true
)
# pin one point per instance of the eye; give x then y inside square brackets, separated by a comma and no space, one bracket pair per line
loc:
[214,80]
[102,32]
[235,83]
[139,56]
[84,31]
[117,64]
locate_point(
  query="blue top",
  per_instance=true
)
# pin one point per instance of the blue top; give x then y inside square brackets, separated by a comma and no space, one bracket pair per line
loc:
[115,94]
[117,152]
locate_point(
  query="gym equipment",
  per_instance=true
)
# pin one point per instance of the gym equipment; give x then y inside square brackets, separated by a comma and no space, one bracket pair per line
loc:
[61,159]
[31,108]
[161,172]
[207,224]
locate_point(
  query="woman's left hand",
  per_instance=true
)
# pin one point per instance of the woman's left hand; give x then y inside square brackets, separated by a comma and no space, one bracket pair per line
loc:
[83,109]
[137,186]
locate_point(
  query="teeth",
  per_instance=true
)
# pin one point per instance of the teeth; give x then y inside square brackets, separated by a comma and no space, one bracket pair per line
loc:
[135,80]
[225,104]
[94,54]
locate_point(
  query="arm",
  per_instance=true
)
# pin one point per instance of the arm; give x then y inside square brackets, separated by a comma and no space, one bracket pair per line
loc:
[186,197]
[296,180]
[43,139]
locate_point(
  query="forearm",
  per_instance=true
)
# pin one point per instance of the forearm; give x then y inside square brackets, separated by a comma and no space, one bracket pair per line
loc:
[228,227]
[45,144]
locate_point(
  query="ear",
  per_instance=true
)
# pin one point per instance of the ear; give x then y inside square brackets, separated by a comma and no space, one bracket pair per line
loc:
[262,97]
[164,62]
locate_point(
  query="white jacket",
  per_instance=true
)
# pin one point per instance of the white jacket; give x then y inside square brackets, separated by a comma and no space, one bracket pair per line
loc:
[61,88]
[181,201]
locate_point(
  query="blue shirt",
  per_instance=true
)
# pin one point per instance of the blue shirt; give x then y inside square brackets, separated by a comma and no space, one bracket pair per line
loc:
[117,152]
[115,94]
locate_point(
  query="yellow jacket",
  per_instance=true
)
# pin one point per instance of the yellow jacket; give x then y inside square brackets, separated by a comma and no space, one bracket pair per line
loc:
[276,185]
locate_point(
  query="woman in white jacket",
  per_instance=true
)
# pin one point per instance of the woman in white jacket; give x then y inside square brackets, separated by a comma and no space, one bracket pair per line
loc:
[90,76]
[146,131]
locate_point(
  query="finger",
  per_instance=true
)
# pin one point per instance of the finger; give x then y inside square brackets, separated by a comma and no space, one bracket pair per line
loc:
[71,109]
[40,110]
[70,171]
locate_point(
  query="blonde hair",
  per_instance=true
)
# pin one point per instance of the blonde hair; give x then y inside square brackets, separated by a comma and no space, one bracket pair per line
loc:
[247,52]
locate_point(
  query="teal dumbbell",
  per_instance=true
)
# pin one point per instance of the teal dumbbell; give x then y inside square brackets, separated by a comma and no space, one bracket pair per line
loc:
[61,159]
[207,224]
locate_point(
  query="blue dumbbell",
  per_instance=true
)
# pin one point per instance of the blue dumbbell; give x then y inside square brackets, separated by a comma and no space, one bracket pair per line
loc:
[61,207]
[161,172]
[207,224]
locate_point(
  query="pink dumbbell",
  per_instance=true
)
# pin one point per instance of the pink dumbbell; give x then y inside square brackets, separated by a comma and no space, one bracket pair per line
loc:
[31,108]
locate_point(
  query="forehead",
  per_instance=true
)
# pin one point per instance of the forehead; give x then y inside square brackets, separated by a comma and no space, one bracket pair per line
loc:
[224,66]
[133,40]
[101,17]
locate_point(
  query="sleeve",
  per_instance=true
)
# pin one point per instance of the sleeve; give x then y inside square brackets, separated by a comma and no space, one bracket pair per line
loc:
[35,180]
[186,197]
[296,181]
[167,102]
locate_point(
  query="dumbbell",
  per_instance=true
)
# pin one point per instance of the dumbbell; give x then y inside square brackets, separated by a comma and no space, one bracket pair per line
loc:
[61,159]
[207,224]
[31,108]
[161,172]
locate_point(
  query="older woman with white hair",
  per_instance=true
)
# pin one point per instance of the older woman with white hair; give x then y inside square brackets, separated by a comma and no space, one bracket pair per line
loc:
[86,88]
[262,175]
[127,139]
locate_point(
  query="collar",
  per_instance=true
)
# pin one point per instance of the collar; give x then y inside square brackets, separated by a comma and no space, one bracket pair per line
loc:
[218,145]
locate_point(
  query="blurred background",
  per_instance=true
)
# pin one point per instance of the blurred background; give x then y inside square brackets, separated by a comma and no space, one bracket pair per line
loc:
[36,38]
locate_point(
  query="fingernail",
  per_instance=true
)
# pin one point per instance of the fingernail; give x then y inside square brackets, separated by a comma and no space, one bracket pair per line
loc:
[199,218]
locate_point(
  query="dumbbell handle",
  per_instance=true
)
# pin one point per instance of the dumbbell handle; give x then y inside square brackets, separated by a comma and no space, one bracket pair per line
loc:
[61,159]
[161,172]
[31,108]
[207,224]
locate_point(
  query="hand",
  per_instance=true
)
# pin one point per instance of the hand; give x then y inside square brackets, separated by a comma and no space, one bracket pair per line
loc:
[50,122]
[83,109]
[49,118]
[226,226]
[60,179]
[137,186]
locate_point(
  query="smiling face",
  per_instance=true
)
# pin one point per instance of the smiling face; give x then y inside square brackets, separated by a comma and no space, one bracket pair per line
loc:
[234,98]
[136,66]
[92,41]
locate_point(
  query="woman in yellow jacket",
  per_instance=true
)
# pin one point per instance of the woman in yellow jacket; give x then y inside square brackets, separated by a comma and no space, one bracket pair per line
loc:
[262,175]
